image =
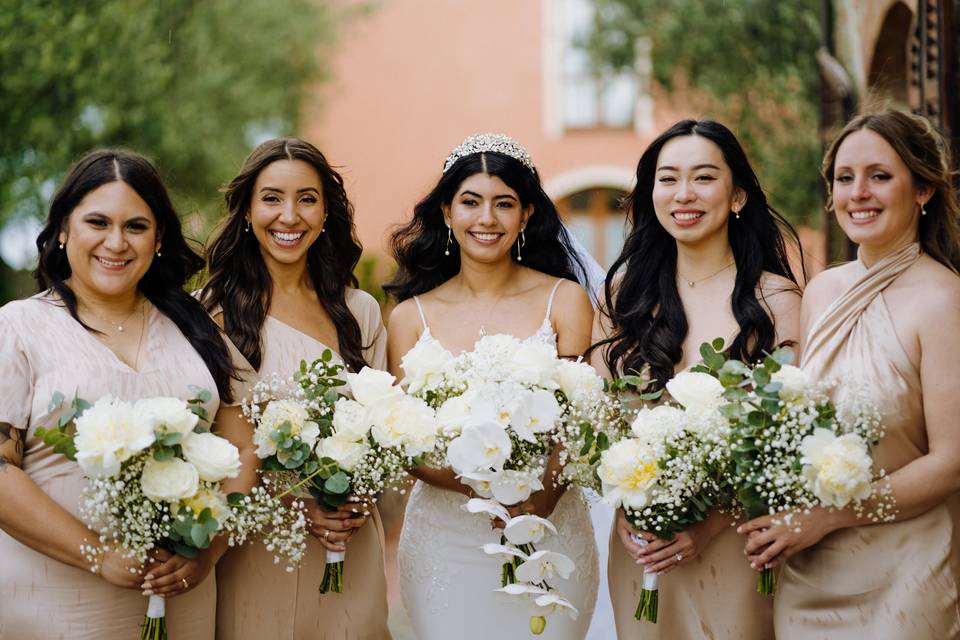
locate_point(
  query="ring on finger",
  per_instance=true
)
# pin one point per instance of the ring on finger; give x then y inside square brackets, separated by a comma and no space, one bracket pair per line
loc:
[186,585]
[679,557]
[326,534]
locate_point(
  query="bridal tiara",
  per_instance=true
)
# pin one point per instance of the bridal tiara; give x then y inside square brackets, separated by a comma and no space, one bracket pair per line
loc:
[489,142]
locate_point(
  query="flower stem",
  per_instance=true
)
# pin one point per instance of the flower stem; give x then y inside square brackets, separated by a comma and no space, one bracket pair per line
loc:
[767,582]
[647,607]
[332,578]
[153,629]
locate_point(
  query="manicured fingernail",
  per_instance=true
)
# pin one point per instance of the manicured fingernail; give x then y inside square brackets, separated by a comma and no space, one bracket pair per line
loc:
[739,529]
[149,576]
[148,592]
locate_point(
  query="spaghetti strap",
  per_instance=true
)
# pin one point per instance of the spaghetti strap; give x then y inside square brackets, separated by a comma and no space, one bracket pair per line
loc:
[423,318]
[550,299]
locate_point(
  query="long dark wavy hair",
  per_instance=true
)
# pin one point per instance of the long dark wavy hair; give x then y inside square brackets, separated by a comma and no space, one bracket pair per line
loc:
[649,323]
[163,283]
[927,154]
[239,283]
[418,246]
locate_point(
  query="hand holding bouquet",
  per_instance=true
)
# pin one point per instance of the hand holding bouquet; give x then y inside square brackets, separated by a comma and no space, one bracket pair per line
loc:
[670,469]
[154,473]
[793,448]
[322,442]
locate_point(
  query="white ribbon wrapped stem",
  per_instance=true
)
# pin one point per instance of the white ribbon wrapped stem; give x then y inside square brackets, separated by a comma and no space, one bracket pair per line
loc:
[156,607]
[649,579]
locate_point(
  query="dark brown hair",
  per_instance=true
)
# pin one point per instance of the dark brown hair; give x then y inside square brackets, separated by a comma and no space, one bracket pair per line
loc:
[927,154]
[240,283]
[163,283]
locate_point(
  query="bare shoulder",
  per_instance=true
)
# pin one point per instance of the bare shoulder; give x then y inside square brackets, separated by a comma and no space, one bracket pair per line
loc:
[570,297]
[935,292]
[828,285]
[405,318]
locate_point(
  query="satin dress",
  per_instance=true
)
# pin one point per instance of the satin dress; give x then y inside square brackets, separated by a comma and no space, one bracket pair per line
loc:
[258,599]
[884,581]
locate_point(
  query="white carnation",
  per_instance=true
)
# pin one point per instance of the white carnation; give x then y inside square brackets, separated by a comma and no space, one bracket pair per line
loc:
[214,457]
[535,363]
[426,366]
[168,415]
[628,471]
[169,480]
[837,468]
[351,420]
[578,379]
[657,424]
[793,381]
[108,434]
[696,391]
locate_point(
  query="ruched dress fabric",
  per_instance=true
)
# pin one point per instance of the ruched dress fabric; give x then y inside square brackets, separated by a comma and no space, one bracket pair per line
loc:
[259,599]
[883,581]
[44,350]
[448,583]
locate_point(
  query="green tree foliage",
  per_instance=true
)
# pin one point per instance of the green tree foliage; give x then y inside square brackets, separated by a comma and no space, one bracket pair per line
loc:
[748,63]
[189,83]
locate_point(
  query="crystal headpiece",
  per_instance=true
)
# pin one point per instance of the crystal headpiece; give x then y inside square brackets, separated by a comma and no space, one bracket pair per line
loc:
[489,142]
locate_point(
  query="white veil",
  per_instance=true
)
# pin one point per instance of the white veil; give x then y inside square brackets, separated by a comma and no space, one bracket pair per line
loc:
[592,275]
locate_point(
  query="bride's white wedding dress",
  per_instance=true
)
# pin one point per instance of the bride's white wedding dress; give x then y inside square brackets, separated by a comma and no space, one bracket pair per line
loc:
[448,583]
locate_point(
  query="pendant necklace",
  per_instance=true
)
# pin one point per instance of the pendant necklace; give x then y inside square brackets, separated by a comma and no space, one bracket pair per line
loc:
[117,325]
[693,283]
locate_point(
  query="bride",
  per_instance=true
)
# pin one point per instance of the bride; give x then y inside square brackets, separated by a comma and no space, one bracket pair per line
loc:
[486,253]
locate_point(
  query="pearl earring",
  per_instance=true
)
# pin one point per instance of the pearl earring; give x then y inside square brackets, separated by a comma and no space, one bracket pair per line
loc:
[61,245]
[446,250]
[923,211]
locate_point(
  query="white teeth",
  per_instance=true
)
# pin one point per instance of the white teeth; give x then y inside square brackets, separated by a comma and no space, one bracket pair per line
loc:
[863,215]
[287,237]
[687,216]
[485,237]
[112,263]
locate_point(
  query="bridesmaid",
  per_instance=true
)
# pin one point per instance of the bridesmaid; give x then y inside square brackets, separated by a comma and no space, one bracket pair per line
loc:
[112,318]
[282,285]
[706,258]
[889,318]
[485,253]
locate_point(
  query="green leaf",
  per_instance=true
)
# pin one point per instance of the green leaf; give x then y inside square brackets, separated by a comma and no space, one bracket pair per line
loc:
[170,439]
[337,483]
[186,551]
[198,536]
[55,402]
[327,355]
[162,454]
[235,498]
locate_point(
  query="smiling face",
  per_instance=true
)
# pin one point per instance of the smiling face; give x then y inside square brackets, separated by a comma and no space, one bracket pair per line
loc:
[875,198]
[693,190]
[486,217]
[110,238]
[286,211]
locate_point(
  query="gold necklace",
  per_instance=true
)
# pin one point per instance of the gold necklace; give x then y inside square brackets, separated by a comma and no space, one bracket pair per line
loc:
[116,325]
[693,283]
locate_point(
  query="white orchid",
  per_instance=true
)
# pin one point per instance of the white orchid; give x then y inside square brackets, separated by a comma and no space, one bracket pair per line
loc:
[479,481]
[528,529]
[545,565]
[490,507]
[512,486]
[482,445]
[503,551]
[534,412]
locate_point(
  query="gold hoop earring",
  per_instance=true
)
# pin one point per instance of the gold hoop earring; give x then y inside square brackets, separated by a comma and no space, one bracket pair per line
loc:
[446,249]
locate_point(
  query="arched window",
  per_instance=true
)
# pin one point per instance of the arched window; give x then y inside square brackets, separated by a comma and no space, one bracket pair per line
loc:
[596,217]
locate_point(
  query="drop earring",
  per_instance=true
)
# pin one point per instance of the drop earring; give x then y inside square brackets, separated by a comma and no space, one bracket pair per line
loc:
[446,249]
[520,244]
[923,211]
[736,213]
[158,252]
[61,245]
[248,225]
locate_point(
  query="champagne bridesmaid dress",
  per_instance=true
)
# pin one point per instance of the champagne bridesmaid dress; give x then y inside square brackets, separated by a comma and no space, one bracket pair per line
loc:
[714,596]
[883,581]
[259,599]
[45,350]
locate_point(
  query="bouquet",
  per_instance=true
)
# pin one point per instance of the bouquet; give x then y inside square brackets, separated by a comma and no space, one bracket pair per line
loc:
[154,471]
[502,409]
[792,447]
[670,469]
[334,447]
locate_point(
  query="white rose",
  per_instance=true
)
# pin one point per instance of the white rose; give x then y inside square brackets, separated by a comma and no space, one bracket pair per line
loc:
[425,366]
[837,469]
[372,387]
[793,381]
[108,434]
[345,452]
[578,379]
[214,457]
[534,412]
[168,415]
[628,471]
[535,363]
[208,499]
[351,420]
[273,417]
[408,423]
[696,391]
[170,480]
[655,425]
